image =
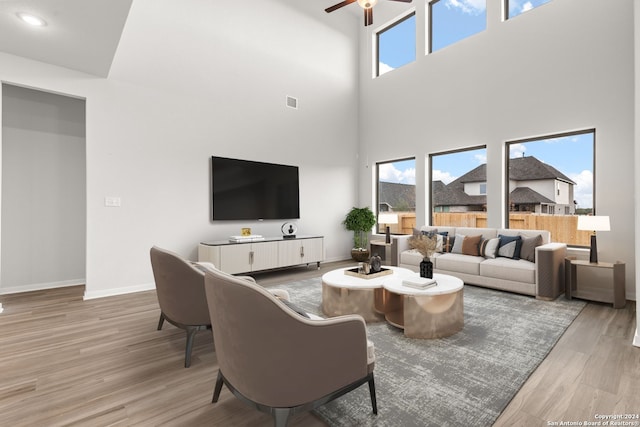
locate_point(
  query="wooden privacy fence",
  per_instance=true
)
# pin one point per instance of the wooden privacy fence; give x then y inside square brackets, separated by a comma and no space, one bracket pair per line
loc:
[563,228]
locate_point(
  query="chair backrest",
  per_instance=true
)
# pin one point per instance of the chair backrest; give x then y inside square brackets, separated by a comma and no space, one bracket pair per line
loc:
[274,356]
[180,288]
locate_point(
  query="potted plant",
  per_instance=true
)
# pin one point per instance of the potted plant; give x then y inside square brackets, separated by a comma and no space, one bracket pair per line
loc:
[360,221]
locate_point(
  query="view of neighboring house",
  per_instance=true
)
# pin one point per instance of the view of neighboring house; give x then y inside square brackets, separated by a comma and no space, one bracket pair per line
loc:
[534,187]
[395,197]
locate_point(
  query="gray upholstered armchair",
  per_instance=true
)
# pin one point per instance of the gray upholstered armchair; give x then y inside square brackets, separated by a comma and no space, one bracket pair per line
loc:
[277,360]
[180,290]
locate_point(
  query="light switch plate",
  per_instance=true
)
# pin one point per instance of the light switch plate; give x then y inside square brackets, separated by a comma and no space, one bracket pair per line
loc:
[112,202]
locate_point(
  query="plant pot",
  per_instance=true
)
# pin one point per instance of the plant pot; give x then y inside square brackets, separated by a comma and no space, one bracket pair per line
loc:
[360,255]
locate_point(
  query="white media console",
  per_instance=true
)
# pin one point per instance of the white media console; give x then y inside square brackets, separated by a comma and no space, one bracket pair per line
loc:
[272,252]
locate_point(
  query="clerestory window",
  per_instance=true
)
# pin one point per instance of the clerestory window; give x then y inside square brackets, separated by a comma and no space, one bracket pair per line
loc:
[396,45]
[453,20]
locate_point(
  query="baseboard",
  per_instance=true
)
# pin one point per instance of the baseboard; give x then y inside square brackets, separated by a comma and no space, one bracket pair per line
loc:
[636,338]
[41,286]
[92,294]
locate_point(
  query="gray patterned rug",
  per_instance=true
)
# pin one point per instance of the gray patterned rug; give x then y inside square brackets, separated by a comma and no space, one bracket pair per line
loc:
[463,380]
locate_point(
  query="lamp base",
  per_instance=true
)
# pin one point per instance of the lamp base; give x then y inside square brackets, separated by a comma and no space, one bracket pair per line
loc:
[593,252]
[388,236]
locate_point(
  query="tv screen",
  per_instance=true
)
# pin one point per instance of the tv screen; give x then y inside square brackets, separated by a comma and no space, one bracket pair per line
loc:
[248,190]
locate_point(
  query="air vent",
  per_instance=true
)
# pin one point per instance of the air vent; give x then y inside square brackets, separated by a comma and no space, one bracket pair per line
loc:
[292,102]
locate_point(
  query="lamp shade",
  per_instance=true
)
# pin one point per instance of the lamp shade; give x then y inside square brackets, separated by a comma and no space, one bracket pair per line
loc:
[387,218]
[593,223]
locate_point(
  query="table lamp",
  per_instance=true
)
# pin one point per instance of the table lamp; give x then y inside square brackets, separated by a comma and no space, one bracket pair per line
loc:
[593,223]
[386,219]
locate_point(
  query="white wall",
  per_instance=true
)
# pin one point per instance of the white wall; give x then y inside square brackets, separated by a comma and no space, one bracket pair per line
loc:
[154,123]
[636,9]
[43,190]
[564,66]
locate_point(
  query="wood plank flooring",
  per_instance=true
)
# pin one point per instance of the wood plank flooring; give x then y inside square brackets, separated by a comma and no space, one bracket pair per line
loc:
[69,362]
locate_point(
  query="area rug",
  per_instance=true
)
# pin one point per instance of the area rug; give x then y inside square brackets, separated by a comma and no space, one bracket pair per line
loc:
[463,380]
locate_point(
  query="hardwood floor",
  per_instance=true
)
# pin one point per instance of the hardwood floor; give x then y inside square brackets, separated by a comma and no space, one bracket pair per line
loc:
[69,362]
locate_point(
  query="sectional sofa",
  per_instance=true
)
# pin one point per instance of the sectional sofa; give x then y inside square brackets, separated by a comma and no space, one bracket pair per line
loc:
[536,269]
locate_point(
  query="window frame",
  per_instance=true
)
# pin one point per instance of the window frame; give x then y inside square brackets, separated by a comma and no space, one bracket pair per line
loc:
[538,139]
[505,10]
[429,29]
[385,28]
[377,194]
[430,207]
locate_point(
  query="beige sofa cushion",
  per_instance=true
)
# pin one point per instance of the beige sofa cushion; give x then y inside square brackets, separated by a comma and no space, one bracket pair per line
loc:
[412,257]
[459,263]
[509,269]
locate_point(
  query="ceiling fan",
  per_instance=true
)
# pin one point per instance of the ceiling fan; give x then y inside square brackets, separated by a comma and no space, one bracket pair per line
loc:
[367,5]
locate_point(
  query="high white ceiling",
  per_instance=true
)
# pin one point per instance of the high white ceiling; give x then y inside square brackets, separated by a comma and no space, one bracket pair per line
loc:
[80,34]
[83,35]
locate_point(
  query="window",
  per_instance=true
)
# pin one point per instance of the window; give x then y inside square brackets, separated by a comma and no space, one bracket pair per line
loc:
[459,188]
[550,183]
[396,45]
[517,7]
[453,20]
[397,195]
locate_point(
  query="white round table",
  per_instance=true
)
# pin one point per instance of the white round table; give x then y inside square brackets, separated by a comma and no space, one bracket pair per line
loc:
[345,294]
[434,312]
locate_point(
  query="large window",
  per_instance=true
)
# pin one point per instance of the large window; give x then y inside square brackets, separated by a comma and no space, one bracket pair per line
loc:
[550,183]
[396,45]
[397,195]
[454,20]
[517,7]
[459,188]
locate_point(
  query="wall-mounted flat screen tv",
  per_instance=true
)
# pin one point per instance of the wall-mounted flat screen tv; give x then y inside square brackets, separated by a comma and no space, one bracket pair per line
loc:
[249,190]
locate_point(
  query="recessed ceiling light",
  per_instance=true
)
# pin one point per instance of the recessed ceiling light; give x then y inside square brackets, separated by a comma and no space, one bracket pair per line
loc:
[30,19]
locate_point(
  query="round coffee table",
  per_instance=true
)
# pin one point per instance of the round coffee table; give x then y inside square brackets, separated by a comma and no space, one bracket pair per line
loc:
[434,312]
[346,294]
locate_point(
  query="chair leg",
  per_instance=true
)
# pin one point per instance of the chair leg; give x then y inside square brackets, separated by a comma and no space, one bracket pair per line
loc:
[372,392]
[218,388]
[280,417]
[161,321]
[191,333]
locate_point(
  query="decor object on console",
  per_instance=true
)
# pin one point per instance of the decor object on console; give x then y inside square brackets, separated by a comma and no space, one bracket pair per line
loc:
[289,230]
[386,219]
[593,223]
[264,358]
[360,221]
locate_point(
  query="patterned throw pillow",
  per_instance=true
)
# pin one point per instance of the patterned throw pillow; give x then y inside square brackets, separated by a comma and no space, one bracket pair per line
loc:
[489,247]
[529,245]
[509,246]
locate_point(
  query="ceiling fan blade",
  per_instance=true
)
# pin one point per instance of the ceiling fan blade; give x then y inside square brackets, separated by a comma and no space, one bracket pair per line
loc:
[368,16]
[403,1]
[339,5]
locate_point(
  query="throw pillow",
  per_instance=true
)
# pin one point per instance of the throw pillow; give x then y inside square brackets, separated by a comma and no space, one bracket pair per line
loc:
[529,245]
[457,244]
[509,246]
[489,247]
[470,245]
[443,240]
[448,243]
